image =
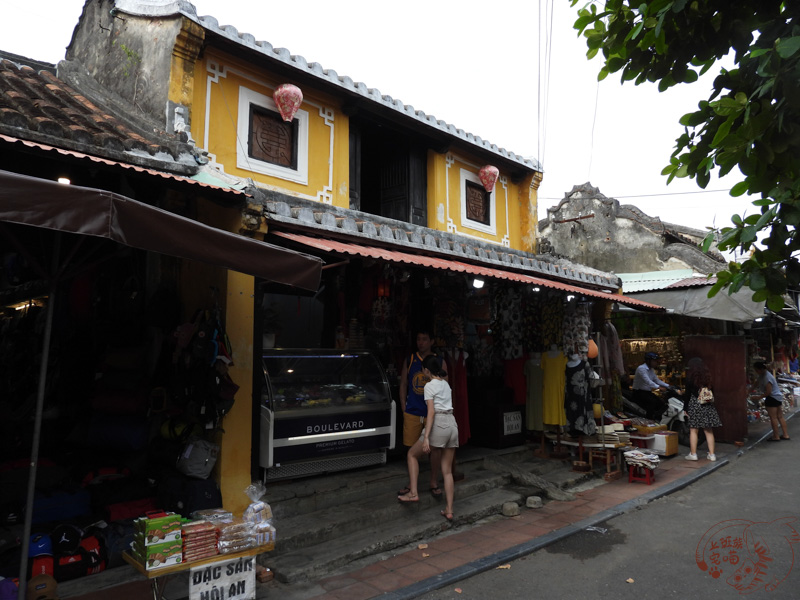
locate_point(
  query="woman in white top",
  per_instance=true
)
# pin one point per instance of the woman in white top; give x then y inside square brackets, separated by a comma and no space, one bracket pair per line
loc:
[440,431]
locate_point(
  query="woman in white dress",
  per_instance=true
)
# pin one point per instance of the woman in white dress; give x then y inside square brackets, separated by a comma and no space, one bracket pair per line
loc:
[441,431]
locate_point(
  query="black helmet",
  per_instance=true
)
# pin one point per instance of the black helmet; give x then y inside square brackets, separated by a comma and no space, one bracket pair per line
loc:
[650,356]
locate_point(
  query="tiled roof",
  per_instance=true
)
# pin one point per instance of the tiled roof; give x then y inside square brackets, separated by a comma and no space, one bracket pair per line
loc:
[328,76]
[38,106]
[198,179]
[286,212]
[693,282]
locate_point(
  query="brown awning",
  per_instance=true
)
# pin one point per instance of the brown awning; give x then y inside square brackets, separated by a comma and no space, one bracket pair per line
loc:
[421,260]
[87,211]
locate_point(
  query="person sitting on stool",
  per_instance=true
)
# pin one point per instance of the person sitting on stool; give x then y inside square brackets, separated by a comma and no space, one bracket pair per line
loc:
[645,382]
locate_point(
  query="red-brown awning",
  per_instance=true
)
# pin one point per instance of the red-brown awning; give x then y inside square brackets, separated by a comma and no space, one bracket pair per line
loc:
[87,211]
[422,260]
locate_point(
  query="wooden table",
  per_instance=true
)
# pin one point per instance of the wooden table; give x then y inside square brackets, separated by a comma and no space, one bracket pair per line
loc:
[154,575]
[609,453]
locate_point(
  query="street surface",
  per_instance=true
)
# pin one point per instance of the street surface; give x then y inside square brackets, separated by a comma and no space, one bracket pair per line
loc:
[652,552]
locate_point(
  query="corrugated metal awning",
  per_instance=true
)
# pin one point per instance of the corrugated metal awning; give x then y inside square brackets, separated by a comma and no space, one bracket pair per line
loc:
[420,260]
[115,163]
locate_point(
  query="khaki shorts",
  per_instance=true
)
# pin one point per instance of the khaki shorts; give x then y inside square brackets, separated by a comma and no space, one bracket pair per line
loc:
[444,433]
[412,428]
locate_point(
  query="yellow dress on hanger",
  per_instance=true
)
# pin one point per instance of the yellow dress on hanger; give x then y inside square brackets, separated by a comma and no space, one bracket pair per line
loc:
[554,368]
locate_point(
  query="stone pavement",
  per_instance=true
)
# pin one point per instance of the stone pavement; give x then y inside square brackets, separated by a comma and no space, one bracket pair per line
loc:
[468,549]
[445,560]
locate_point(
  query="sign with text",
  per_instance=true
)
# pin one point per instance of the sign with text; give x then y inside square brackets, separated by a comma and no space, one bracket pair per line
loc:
[512,422]
[233,579]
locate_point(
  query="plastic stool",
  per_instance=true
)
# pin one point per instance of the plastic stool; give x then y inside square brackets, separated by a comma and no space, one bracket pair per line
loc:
[639,473]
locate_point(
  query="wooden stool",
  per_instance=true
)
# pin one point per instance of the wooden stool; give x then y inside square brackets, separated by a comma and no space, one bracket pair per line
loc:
[639,473]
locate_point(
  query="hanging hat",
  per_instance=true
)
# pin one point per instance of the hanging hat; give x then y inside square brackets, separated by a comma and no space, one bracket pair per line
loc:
[42,587]
[40,545]
[66,539]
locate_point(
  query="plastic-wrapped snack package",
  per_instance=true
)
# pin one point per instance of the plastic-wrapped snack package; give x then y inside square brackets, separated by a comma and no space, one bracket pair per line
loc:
[235,545]
[259,510]
[265,534]
[215,515]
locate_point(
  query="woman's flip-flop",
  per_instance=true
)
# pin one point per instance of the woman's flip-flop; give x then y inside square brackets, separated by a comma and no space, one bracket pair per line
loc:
[404,491]
[436,491]
[774,440]
[783,437]
[408,498]
[447,515]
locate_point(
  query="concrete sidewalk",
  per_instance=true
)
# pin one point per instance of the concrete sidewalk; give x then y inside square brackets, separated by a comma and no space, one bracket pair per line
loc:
[447,559]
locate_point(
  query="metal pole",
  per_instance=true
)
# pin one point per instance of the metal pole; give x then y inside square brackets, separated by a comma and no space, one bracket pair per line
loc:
[37,426]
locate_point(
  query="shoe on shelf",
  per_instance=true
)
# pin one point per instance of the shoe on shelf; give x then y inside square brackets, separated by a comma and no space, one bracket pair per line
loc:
[711,457]
[691,457]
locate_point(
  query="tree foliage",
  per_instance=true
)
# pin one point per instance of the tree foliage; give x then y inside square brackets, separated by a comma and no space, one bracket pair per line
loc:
[750,121]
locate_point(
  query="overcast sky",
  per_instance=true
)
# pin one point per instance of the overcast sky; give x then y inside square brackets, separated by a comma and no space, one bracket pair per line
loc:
[475,65]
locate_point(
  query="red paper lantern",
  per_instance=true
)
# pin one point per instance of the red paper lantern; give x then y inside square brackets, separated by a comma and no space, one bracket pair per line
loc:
[288,99]
[488,175]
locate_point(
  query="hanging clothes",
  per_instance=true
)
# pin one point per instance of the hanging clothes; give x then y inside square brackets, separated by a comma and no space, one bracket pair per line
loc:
[578,399]
[457,377]
[535,388]
[514,378]
[553,365]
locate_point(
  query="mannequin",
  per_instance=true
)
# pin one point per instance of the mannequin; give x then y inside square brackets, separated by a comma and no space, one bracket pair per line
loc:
[578,398]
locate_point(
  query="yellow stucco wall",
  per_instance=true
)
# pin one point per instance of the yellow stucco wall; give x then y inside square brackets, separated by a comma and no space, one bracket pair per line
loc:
[221,81]
[235,456]
[513,222]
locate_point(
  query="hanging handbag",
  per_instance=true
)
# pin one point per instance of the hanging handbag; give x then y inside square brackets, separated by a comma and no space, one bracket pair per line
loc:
[198,459]
[705,396]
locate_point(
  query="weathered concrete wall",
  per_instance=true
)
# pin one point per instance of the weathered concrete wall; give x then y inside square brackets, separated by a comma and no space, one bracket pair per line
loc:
[589,228]
[129,55]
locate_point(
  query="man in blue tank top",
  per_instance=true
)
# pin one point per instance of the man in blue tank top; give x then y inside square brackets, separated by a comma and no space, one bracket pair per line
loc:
[412,401]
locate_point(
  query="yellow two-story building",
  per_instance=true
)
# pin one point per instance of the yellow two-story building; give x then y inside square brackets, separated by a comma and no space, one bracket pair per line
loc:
[410,213]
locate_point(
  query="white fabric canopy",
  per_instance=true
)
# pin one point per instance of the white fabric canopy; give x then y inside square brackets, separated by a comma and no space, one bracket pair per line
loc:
[694,302]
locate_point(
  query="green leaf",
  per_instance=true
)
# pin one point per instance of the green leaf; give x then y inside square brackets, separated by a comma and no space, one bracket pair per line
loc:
[739,189]
[708,240]
[775,303]
[757,281]
[722,133]
[788,47]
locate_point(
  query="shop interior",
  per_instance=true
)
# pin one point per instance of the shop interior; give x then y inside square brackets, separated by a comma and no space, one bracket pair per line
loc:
[138,367]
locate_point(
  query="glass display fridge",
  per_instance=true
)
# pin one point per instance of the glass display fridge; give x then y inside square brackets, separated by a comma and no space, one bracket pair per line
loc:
[322,411]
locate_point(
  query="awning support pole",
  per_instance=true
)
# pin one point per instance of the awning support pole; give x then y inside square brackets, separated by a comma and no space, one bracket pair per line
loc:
[37,425]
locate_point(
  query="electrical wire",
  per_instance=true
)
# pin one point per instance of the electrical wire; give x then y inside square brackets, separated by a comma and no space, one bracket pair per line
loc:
[545,25]
[651,195]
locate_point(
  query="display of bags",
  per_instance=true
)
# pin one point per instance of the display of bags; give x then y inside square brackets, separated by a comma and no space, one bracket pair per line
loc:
[185,495]
[198,458]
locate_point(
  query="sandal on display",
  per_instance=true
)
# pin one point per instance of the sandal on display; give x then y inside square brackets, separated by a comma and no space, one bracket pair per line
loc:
[447,515]
[436,491]
[408,498]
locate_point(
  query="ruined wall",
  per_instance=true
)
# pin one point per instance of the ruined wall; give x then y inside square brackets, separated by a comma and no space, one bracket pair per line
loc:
[597,231]
[129,55]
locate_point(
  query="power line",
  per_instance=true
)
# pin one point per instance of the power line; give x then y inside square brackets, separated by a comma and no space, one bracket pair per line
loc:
[650,195]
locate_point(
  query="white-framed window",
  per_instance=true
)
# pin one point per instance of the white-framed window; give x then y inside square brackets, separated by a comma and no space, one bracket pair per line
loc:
[477,205]
[268,145]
